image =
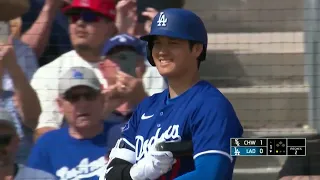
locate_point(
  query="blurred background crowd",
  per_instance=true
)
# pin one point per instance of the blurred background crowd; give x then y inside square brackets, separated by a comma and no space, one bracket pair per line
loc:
[262,55]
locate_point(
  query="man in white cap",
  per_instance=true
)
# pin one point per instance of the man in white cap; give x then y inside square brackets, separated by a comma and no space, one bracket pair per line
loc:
[78,150]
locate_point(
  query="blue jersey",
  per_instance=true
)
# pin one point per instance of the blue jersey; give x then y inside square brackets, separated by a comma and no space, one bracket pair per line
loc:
[202,114]
[59,154]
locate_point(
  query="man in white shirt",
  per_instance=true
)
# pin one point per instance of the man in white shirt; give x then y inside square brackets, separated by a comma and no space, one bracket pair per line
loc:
[91,22]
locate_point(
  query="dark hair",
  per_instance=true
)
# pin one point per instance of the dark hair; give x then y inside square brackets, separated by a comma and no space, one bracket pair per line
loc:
[201,56]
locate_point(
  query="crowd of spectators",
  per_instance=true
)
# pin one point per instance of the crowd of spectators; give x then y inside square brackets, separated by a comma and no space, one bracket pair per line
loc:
[72,73]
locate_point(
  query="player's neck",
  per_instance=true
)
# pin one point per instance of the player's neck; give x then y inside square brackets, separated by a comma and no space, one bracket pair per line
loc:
[86,133]
[182,83]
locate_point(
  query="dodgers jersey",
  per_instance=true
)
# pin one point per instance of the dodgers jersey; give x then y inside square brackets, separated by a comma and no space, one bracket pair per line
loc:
[65,157]
[202,114]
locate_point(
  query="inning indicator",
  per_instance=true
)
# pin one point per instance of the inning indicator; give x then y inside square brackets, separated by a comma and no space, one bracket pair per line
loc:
[268,146]
[277,147]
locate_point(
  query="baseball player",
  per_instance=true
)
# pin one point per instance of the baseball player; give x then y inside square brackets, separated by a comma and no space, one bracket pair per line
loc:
[189,110]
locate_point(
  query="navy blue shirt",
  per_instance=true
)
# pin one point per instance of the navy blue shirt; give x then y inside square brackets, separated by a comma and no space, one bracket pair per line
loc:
[59,42]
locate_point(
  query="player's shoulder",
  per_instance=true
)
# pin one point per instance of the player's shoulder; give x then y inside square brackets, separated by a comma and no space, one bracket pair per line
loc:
[209,94]
[151,100]
[209,101]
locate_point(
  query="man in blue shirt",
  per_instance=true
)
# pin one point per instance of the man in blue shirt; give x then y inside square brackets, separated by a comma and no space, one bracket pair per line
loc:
[189,110]
[78,150]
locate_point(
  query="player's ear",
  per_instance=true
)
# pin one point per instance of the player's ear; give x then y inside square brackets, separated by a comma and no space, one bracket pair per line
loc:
[197,49]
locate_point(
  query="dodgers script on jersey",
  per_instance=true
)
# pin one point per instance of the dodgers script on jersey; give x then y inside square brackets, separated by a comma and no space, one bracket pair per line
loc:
[201,114]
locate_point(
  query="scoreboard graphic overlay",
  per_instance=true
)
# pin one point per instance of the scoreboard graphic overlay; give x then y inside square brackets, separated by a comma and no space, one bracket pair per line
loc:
[268,147]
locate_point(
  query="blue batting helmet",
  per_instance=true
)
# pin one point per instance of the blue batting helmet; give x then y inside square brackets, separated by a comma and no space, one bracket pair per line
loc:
[180,24]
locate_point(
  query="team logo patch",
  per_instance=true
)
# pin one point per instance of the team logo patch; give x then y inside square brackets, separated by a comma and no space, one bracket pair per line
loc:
[122,38]
[77,74]
[126,127]
[162,21]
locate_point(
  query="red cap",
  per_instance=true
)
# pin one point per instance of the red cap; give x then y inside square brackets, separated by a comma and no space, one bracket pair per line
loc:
[104,7]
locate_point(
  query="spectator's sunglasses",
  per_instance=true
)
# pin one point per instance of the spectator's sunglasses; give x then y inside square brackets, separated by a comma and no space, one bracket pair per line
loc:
[86,16]
[5,140]
[75,97]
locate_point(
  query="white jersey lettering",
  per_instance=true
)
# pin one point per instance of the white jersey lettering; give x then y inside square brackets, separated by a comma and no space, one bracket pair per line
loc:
[143,146]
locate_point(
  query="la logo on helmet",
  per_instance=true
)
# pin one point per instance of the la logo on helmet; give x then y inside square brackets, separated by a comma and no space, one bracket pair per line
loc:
[162,21]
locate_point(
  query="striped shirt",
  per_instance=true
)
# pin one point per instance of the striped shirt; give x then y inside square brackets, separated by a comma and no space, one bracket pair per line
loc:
[28,63]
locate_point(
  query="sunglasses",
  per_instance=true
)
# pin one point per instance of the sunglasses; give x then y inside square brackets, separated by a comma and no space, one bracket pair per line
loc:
[86,16]
[75,97]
